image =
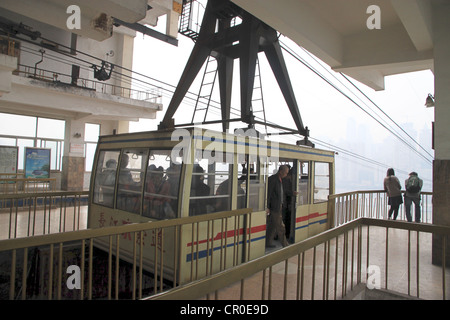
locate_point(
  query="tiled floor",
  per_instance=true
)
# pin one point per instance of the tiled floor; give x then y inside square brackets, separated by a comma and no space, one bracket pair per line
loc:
[30,223]
[286,287]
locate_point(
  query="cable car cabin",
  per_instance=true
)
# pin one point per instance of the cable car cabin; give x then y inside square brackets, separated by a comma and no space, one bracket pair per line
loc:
[150,176]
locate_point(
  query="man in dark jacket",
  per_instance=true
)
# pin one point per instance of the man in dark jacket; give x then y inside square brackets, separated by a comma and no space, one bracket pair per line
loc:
[413,186]
[274,204]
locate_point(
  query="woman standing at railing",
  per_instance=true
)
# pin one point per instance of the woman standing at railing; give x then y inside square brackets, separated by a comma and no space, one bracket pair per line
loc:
[393,188]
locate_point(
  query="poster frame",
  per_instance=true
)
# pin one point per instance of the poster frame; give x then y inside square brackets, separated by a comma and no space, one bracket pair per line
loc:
[29,162]
[14,161]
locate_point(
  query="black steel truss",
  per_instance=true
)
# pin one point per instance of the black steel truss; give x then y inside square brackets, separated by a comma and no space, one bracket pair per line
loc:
[243,41]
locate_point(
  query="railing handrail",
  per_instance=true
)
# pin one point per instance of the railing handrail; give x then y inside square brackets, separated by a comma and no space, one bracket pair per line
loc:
[154,92]
[28,179]
[19,243]
[39,194]
[207,285]
[224,278]
[337,195]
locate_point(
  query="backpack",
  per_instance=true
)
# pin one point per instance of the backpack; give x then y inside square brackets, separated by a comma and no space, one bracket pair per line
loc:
[413,184]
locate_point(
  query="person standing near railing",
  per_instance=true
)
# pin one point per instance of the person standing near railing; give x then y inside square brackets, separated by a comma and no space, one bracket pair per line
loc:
[413,186]
[393,188]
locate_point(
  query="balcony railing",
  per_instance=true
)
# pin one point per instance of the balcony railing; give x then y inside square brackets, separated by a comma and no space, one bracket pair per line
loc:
[349,206]
[152,95]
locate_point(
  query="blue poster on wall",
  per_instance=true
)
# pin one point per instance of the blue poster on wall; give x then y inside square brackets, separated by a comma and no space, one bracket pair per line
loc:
[37,163]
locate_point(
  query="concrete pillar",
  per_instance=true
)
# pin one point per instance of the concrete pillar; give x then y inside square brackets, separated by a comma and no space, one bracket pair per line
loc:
[441,164]
[72,178]
[7,65]
[125,45]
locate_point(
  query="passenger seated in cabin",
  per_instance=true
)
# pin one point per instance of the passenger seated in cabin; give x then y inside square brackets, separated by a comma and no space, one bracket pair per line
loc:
[201,190]
[125,179]
[108,180]
[224,203]
[157,194]
[173,178]
[127,198]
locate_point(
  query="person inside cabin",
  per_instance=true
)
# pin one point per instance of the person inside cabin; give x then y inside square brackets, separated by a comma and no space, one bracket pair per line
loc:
[173,179]
[157,194]
[241,199]
[127,198]
[125,179]
[200,192]
[108,180]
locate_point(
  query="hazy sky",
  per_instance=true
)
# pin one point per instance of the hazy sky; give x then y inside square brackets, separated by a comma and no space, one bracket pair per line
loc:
[330,116]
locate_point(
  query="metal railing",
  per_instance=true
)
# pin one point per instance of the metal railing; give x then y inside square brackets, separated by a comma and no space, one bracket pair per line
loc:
[349,206]
[332,264]
[326,266]
[15,185]
[31,214]
[36,266]
[152,95]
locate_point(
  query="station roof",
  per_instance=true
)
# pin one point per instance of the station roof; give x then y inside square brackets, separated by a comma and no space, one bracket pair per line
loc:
[337,32]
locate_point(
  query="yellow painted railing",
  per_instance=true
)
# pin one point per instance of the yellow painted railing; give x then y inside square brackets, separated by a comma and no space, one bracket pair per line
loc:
[27,185]
[332,264]
[326,266]
[30,214]
[348,206]
[102,275]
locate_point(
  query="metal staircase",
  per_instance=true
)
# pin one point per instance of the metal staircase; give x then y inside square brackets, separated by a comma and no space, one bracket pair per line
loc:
[227,32]
[190,24]
[257,106]
[206,88]
[189,20]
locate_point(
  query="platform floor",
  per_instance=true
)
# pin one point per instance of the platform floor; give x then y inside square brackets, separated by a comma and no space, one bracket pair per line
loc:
[30,223]
[430,276]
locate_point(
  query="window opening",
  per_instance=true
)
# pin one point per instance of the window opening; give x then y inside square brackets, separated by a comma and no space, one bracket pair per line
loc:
[131,173]
[162,184]
[321,182]
[210,186]
[303,184]
[105,179]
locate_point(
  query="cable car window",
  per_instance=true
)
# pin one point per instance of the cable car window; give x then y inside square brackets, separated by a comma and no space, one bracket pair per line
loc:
[105,178]
[303,184]
[161,186]
[131,173]
[321,181]
[210,187]
[256,187]
[242,187]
